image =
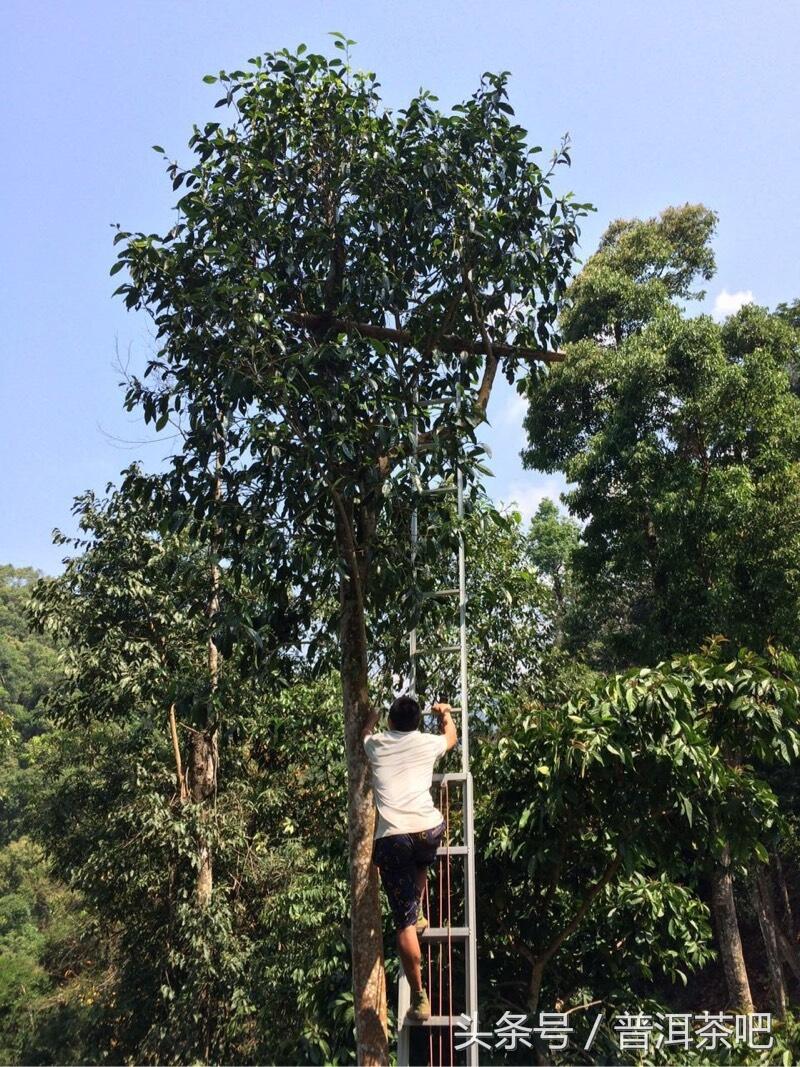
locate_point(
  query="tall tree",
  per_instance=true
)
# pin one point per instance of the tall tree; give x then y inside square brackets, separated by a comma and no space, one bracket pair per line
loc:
[638,269]
[129,616]
[334,268]
[27,661]
[789,312]
[553,540]
[682,437]
[624,793]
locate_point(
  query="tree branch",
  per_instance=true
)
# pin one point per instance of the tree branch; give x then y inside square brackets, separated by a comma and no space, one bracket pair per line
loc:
[176,751]
[492,362]
[350,543]
[576,919]
[446,343]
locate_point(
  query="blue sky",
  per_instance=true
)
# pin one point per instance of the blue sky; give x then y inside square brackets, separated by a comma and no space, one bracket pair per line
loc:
[682,101]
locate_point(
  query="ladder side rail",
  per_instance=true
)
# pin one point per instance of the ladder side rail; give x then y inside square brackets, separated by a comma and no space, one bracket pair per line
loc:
[471,969]
[403,1031]
[403,987]
[471,973]
[412,637]
[462,625]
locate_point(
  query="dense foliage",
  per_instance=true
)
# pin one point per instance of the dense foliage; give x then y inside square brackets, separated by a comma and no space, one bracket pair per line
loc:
[682,438]
[341,288]
[184,815]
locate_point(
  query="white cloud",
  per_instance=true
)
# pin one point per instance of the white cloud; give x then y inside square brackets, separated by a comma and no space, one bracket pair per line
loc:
[526,498]
[515,410]
[729,303]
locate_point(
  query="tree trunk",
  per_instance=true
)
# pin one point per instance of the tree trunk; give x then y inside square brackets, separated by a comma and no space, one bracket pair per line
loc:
[541,1051]
[369,977]
[560,612]
[789,953]
[658,575]
[540,960]
[180,777]
[783,896]
[784,919]
[202,774]
[761,896]
[204,759]
[727,929]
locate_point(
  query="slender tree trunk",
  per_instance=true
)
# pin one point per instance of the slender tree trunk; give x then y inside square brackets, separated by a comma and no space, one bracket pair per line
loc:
[539,960]
[541,1051]
[761,896]
[658,575]
[727,928]
[535,986]
[784,919]
[558,593]
[369,977]
[204,758]
[789,953]
[206,753]
[176,751]
[783,895]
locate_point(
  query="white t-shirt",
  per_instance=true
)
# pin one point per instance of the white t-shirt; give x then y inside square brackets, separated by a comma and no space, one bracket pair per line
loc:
[402,772]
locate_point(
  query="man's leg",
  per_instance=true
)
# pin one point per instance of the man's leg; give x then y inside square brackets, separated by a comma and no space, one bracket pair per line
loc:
[410,956]
[426,846]
[399,877]
[406,898]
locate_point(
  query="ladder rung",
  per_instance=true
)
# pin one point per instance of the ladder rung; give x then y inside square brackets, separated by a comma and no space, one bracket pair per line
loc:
[445,933]
[439,1020]
[441,593]
[436,651]
[452,850]
[450,776]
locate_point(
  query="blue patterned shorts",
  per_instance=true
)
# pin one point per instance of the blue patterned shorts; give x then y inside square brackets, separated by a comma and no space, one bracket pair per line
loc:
[398,857]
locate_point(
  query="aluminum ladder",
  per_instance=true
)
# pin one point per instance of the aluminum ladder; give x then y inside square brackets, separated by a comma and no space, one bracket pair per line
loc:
[465,933]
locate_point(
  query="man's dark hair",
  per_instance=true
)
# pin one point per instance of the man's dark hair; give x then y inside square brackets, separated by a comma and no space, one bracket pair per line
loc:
[404,714]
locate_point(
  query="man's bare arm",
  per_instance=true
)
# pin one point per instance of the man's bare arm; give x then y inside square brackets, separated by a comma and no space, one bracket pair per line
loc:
[448,727]
[370,724]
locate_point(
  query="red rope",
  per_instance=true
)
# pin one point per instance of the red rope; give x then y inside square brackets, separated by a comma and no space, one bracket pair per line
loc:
[440,954]
[443,887]
[449,927]
[430,975]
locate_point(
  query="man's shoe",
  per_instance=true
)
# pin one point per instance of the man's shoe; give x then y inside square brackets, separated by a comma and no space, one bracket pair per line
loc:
[422,922]
[420,1009]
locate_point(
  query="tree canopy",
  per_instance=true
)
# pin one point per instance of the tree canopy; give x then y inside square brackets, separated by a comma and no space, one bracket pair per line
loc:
[682,439]
[187,818]
[337,296]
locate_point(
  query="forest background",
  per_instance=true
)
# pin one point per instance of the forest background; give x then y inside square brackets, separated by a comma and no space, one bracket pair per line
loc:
[180,699]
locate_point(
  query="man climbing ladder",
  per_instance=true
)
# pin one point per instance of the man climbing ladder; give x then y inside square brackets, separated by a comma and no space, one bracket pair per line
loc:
[409,826]
[427,660]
